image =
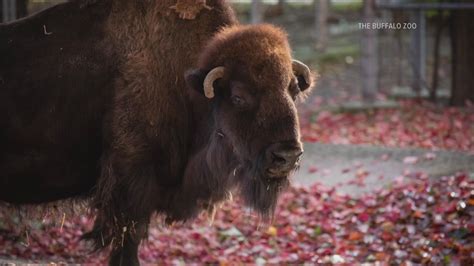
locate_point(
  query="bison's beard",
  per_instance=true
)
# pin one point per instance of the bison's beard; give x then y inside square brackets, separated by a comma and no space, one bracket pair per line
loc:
[216,171]
[259,191]
[230,171]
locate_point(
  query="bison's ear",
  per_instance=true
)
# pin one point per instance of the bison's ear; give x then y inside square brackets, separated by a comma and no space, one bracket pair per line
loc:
[303,84]
[303,75]
[195,80]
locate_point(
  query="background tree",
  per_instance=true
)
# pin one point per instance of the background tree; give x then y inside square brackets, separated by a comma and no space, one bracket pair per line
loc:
[369,53]
[281,3]
[256,11]
[462,43]
[440,24]
[20,7]
[321,21]
[275,10]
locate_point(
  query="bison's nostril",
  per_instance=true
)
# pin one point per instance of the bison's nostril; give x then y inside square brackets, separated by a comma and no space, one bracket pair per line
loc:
[285,160]
[283,156]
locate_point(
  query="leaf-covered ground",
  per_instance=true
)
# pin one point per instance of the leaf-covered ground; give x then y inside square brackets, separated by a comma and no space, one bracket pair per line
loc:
[414,124]
[417,219]
[421,221]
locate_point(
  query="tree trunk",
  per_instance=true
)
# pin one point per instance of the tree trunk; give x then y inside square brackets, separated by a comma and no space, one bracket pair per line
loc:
[322,32]
[462,45]
[18,7]
[281,7]
[281,3]
[398,16]
[438,34]
[21,8]
[256,12]
[369,54]
[3,11]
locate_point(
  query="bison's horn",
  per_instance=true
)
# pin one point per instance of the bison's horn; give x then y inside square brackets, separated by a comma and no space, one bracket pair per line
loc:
[301,69]
[212,76]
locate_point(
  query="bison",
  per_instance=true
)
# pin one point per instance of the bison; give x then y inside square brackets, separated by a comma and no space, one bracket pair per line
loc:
[142,110]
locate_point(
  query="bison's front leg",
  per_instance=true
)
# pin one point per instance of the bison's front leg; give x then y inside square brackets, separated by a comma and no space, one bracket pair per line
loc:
[125,256]
[125,202]
[124,240]
[145,142]
[126,252]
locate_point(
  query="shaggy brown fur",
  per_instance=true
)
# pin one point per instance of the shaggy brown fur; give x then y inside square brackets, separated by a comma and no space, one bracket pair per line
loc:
[98,105]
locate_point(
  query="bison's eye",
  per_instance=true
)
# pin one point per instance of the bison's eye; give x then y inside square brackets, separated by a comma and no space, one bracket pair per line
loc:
[240,97]
[238,101]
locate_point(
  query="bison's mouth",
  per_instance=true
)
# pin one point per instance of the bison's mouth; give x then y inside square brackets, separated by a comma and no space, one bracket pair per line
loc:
[275,175]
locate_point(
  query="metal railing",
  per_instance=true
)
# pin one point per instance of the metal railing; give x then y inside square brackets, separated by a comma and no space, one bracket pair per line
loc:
[418,49]
[424,6]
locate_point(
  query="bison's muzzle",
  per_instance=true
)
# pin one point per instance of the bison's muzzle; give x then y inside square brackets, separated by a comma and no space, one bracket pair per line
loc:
[282,158]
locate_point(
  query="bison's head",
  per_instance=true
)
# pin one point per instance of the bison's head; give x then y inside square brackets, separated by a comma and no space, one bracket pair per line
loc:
[247,75]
